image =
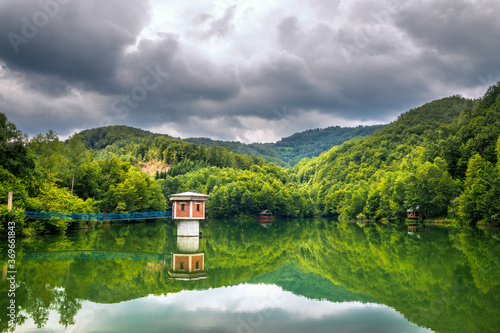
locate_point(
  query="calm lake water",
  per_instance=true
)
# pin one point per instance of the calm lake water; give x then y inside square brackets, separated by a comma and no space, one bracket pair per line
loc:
[309,275]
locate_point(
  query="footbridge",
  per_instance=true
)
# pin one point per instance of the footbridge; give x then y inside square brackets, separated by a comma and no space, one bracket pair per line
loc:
[94,254]
[98,217]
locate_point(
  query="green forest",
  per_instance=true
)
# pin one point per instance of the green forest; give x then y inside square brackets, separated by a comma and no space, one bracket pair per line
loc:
[290,150]
[441,158]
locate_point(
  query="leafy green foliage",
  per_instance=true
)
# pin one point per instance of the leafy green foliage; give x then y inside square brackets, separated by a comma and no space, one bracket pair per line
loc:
[238,184]
[313,142]
[137,145]
[67,177]
[52,198]
[419,160]
[266,151]
[100,138]
[479,201]
[235,192]
[13,153]
[290,150]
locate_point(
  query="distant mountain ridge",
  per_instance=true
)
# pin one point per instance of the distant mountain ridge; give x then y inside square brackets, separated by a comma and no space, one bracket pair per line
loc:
[290,150]
[310,285]
[286,152]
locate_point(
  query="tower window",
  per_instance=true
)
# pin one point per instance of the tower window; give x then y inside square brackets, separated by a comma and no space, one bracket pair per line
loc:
[182,207]
[197,207]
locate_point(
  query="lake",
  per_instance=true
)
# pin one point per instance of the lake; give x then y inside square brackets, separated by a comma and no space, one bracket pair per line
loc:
[310,275]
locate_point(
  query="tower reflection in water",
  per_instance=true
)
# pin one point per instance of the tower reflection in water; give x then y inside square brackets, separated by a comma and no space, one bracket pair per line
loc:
[187,262]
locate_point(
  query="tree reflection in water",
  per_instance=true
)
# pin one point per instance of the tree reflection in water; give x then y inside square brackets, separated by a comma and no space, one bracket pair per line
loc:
[446,279]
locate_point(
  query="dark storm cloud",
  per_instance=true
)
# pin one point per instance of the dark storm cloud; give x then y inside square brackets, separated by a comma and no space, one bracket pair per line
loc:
[399,54]
[177,77]
[453,27]
[352,60]
[312,72]
[465,33]
[77,41]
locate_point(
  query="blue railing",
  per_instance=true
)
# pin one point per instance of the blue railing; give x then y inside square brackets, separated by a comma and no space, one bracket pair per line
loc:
[98,217]
[94,254]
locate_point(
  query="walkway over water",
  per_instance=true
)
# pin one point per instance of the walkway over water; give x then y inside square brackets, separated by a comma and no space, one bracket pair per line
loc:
[95,254]
[98,217]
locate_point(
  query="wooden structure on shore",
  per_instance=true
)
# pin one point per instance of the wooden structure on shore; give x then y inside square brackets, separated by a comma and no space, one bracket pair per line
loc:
[413,213]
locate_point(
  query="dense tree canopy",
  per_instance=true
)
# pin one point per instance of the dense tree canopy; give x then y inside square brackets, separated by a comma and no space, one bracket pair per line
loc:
[290,150]
[14,157]
[441,157]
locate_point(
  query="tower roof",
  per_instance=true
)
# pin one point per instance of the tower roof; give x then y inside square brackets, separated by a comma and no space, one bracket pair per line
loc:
[188,196]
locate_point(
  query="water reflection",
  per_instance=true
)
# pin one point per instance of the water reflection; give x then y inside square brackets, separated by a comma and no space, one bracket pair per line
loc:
[414,230]
[187,262]
[373,274]
[265,223]
[266,218]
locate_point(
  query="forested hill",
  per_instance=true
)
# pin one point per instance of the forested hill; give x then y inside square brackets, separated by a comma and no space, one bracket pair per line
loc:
[290,150]
[261,150]
[313,142]
[286,152]
[101,137]
[48,175]
[441,158]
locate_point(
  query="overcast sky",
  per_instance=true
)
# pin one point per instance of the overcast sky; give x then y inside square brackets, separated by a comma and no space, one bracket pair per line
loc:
[247,70]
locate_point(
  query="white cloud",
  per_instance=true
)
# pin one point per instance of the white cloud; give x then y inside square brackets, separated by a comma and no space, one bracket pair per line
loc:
[251,298]
[265,308]
[250,129]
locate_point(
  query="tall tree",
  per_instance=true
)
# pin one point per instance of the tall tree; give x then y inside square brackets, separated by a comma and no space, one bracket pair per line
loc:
[49,153]
[13,152]
[480,201]
[77,153]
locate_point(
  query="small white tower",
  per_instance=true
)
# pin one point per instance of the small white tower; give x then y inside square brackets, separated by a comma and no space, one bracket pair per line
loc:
[188,209]
[188,206]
